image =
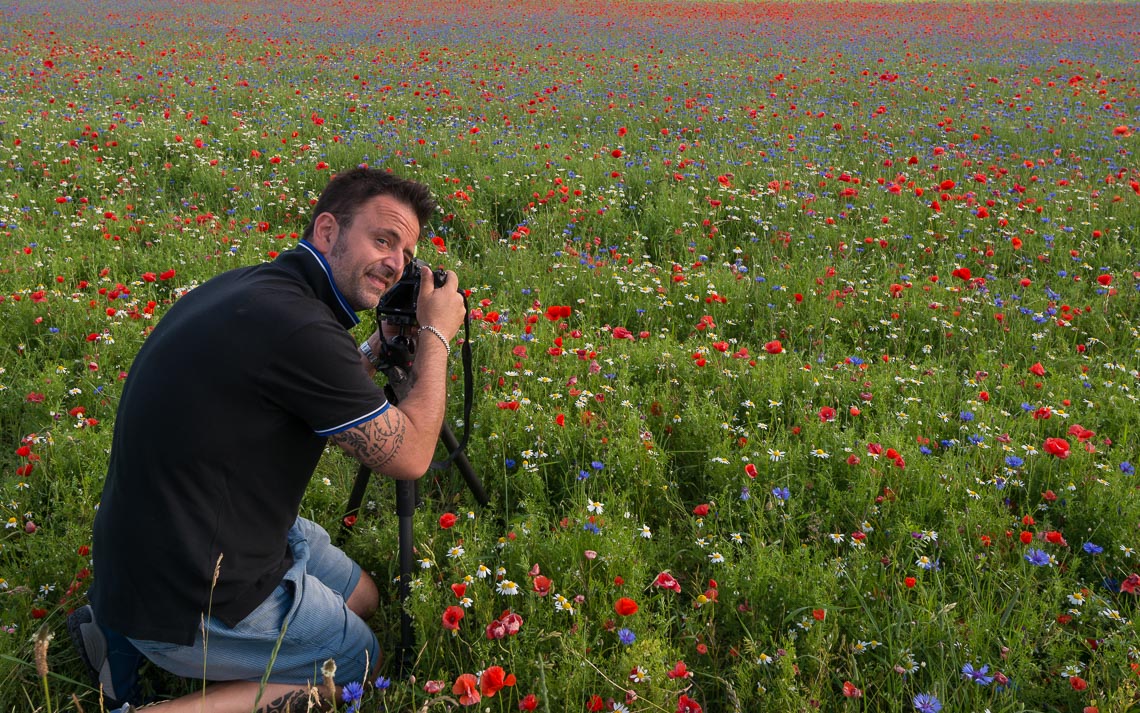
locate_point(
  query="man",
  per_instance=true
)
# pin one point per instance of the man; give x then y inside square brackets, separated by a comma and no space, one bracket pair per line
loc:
[201,560]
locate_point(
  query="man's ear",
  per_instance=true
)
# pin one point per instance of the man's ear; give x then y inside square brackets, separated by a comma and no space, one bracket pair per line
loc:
[325,232]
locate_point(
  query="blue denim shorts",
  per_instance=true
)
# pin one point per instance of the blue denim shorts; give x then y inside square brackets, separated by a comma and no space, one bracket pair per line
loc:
[309,605]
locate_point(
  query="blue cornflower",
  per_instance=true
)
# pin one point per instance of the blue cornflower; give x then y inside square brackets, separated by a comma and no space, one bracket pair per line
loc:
[1127,468]
[583,474]
[626,637]
[966,416]
[781,493]
[351,694]
[1038,558]
[510,463]
[745,493]
[382,683]
[597,465]
[1092,548]
[927,703]
[978,675]
[591,527]
[1014,461]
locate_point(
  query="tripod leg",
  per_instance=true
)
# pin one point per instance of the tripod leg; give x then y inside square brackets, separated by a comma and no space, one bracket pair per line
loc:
[405,509]
[464,465]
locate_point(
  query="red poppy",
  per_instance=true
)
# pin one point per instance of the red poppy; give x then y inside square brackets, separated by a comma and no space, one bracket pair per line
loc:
[826,414]
[688,705]
[774,347]
[493,679]
[850,691]
[750,470]
[625,607]
[1037,369]
[541,585]
[667,581]
[1129,585]
[910,582]
[701,510]
[447,520]
[1078,683]
[459,589]
[452,616]
[679,671]
[466,687]
[1058,447]
[529,702]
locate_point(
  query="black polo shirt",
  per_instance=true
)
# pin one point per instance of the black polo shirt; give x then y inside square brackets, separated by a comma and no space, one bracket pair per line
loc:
[223,417]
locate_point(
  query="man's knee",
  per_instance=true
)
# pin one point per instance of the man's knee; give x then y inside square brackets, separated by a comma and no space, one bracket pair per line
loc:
[365,597]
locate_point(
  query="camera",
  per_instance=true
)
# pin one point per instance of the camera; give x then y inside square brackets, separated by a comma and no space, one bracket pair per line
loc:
[398,305]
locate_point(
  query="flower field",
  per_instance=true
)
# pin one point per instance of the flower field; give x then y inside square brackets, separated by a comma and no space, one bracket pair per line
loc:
[806,335]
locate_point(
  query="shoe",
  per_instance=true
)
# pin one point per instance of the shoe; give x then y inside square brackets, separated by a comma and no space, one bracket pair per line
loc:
[112,661]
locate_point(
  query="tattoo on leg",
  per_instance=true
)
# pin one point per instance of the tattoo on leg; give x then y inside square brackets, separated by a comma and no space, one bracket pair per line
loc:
[292,702]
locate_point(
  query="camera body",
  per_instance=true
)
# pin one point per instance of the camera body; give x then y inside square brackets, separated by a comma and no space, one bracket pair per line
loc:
[398,305]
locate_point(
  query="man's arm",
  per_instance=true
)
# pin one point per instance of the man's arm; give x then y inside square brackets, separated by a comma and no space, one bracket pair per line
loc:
[400,442]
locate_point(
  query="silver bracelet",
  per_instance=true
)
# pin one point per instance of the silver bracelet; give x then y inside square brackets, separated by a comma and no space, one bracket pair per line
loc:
[366,350]
[436,332]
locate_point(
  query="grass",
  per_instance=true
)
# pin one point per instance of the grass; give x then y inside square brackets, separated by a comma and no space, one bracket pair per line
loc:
[835,273]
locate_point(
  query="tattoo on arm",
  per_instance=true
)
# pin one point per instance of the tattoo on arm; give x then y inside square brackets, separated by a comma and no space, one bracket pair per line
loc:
[376,442]
[292,702]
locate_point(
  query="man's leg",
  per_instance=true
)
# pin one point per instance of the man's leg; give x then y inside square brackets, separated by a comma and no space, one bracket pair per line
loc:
[242,697]
[308,613]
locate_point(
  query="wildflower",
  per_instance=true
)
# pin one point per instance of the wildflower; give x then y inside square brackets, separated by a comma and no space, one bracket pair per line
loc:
[483,571]
[563,604]
[466,687]
[455,552]
[638,675]
[667,581]
[836,537]
[493,679]
[1058,447]
[1077,598]
[927,703]
[595,507]
[452,616]
[775,455]
[626,637]
[382,683]
[351,694]
[447,519]
[716,558]
[625,607]
[1038,558]
[646,532]
[781,494]
[764,659]
[979,675]
[820,453]
[507,588]
[680,671]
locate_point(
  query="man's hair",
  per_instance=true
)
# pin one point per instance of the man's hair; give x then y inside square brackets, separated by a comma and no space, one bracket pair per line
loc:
[347,191]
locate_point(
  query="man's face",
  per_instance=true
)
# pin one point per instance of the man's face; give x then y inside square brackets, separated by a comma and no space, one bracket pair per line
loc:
[369,256]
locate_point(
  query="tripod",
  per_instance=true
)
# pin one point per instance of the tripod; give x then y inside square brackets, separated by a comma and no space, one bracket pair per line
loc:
[407,491]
